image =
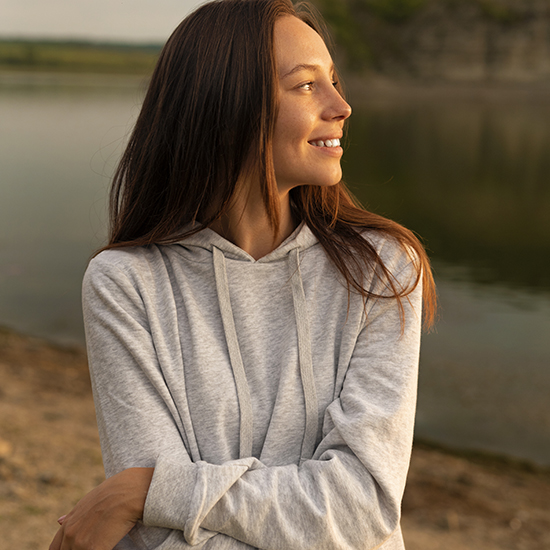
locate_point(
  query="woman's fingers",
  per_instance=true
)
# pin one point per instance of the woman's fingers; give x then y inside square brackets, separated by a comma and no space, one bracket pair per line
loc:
[91,536]
[57,540]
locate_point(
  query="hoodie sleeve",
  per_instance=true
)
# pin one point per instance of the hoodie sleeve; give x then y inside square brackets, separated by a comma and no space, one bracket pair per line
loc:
[348,496]
[136,414]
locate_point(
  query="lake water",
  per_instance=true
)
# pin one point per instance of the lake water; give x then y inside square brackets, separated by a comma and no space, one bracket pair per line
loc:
[470,176]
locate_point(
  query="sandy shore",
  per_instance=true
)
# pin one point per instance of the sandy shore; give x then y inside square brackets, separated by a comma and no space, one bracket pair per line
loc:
[50,457]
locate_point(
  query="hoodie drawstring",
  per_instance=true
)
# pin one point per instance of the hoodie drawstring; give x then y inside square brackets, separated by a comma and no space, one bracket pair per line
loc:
[304,356]
[243,391]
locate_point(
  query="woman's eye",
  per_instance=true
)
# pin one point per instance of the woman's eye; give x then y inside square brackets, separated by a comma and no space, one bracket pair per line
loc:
[307,86]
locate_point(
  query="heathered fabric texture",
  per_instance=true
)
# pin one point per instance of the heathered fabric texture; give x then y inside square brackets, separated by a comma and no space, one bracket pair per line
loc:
[276,416]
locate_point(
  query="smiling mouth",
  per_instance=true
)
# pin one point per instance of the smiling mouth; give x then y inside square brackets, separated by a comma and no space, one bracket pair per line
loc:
[326,143]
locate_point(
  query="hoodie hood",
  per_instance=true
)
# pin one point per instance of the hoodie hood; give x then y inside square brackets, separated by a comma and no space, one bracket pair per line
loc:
[300,239]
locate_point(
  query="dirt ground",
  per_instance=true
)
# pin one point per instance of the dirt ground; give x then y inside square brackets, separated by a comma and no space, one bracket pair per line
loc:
[50,457]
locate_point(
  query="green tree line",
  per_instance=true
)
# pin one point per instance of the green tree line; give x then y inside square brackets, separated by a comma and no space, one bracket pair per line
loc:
[77,56]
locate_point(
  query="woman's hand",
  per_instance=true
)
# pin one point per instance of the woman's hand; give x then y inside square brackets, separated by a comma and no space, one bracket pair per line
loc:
[106,514]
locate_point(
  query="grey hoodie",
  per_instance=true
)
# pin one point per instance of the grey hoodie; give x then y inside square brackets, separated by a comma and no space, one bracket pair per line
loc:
[277,414]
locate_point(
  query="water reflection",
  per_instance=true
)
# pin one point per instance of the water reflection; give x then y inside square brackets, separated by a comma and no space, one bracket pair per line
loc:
[59,141]
[471,178]
[484,375]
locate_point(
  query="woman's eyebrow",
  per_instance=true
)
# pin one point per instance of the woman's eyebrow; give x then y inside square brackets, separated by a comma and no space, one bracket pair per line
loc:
[305,67]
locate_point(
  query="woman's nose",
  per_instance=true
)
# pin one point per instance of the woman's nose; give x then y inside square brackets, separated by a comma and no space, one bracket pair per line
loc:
[338,107]
[346,108]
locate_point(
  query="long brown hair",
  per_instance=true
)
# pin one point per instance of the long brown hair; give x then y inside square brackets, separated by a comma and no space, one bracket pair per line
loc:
[211,105]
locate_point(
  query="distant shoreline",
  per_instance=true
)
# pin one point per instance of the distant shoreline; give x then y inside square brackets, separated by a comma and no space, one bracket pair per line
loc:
[86,60]
[372,87]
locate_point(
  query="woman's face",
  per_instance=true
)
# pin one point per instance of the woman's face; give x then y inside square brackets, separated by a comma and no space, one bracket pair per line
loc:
[306,147]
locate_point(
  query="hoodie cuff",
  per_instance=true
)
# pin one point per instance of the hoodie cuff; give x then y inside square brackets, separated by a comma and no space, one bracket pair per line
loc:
[169,495]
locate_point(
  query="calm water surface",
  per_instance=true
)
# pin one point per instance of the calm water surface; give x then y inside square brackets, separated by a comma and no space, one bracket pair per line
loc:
[470,177]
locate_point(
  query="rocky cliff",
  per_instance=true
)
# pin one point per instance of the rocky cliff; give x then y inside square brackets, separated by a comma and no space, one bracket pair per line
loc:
[453,40]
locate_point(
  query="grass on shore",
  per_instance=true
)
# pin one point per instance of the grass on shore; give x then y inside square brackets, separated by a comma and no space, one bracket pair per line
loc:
[83,57]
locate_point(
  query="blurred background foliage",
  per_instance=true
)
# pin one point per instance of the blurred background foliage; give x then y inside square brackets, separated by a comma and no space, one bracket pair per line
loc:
[369,32]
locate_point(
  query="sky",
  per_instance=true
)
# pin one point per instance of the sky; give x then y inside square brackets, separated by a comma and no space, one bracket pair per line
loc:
[110,20]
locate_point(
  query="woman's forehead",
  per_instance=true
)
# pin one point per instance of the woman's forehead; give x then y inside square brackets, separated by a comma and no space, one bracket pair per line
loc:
[297,45]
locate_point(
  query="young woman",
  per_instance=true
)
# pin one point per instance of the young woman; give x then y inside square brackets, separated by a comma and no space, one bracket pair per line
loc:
[253,335]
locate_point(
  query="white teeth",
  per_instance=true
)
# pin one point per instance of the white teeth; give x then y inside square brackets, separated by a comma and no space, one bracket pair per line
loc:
[327,143]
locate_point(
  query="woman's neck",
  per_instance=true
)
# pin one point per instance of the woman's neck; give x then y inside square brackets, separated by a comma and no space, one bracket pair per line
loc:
[246,223]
